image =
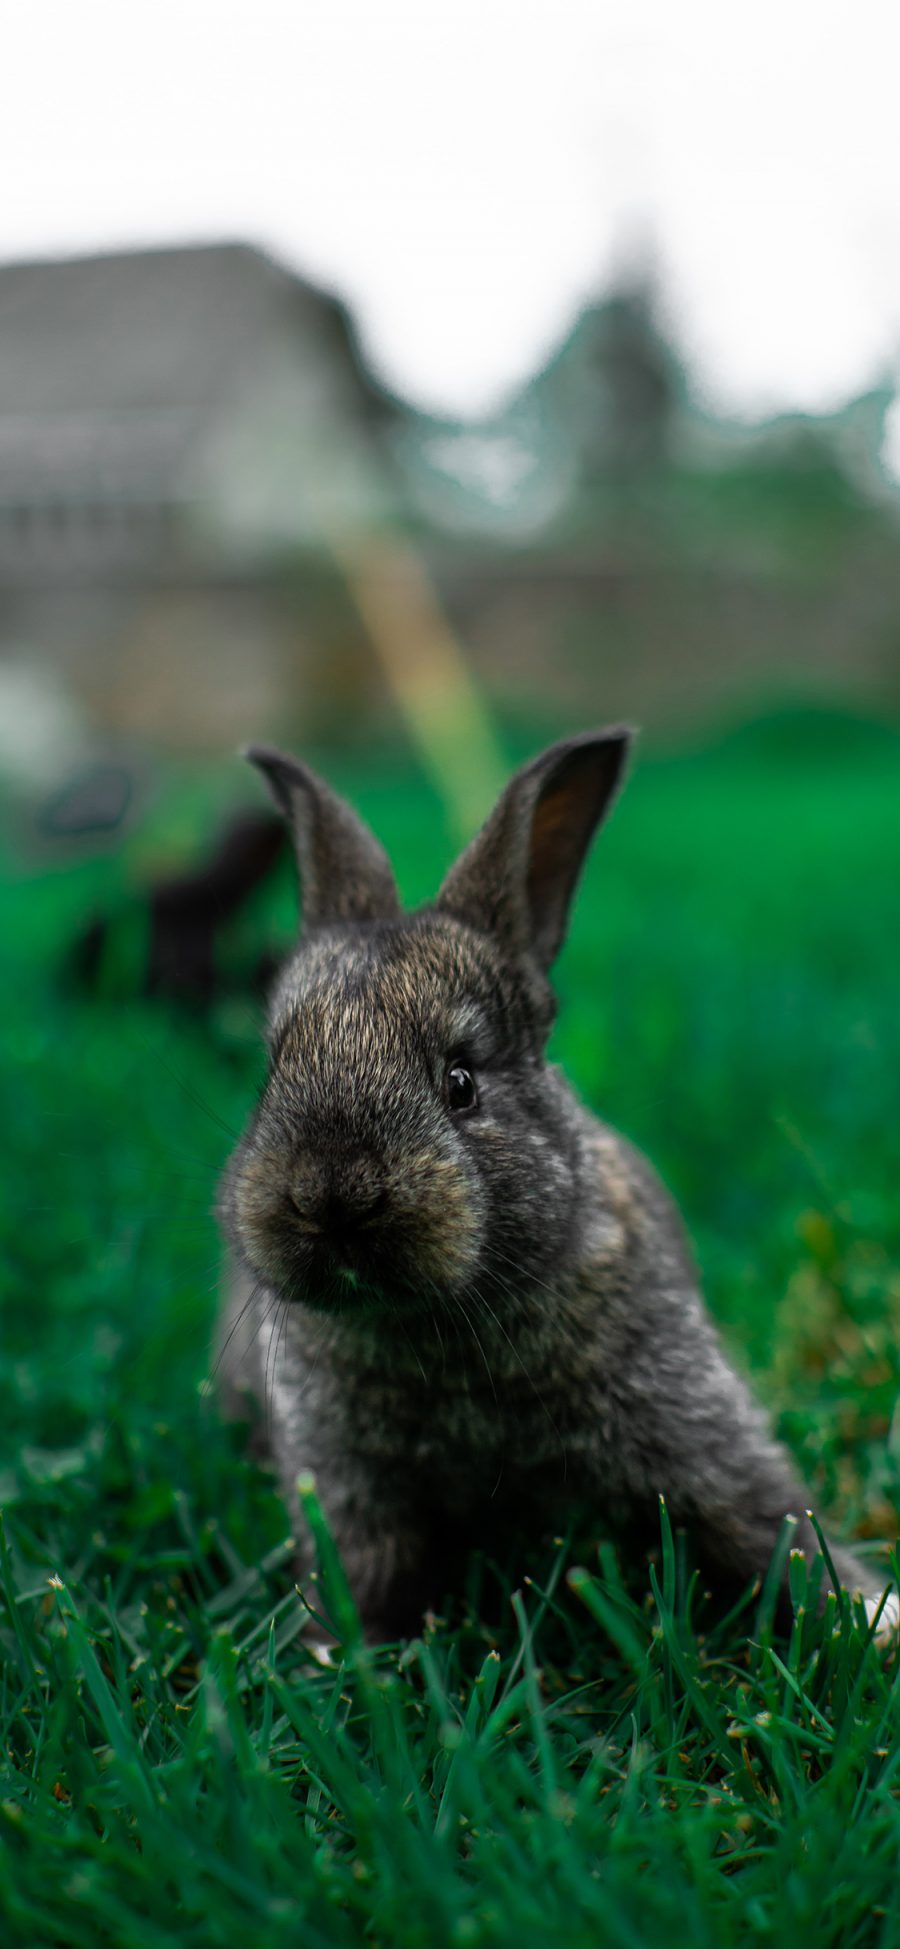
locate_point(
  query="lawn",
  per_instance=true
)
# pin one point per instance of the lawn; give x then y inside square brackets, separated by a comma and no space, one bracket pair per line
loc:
[592,1752]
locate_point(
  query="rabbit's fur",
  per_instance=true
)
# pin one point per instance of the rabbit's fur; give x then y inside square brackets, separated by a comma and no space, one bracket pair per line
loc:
[470,1320]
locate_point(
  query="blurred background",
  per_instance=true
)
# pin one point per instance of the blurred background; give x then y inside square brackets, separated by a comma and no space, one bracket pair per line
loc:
[409,386]
[374,378]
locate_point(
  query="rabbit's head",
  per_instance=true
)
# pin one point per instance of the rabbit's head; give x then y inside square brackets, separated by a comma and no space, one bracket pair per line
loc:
[411,1145]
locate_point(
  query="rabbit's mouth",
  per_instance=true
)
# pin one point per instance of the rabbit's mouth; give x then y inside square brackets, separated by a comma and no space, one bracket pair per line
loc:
[343,1276]
[358,1236]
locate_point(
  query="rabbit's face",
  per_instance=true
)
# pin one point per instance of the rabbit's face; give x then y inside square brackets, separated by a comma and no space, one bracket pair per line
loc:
[410,1146]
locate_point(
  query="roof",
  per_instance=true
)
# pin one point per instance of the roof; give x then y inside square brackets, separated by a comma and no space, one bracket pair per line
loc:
[109,365]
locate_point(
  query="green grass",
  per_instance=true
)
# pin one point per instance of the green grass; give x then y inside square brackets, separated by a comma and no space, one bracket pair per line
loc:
[594,1754]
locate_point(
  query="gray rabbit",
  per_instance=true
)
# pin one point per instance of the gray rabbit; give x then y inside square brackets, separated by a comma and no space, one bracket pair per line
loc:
[458,1299]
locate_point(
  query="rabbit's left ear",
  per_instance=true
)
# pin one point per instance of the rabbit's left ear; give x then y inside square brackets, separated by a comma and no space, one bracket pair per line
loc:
[516,878]
[345,873]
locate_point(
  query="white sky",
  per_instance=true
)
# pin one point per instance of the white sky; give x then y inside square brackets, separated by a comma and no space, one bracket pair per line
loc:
[465,172]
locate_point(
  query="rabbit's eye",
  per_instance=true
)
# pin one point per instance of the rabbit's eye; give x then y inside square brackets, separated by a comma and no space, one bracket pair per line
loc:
[459,1089]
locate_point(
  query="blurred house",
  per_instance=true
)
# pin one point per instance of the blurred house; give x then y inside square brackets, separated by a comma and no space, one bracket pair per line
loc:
[176,426]
[191,446]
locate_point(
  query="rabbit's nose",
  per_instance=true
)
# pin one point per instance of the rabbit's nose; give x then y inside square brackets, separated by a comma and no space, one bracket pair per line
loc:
[352,1208]
[348,1199]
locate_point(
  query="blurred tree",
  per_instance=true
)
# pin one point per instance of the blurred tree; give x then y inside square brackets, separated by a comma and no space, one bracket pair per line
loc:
[615,387]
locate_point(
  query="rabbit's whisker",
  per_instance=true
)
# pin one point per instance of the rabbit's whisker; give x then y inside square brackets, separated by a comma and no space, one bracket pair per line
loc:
[157,1056]
[242,1315]
[530,1379]
[411,1345]
[477,1339]
[524,1273]
[280,1309]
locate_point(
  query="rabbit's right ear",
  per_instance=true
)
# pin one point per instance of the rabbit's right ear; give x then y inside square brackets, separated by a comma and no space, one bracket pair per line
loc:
[517,877]
[345,874]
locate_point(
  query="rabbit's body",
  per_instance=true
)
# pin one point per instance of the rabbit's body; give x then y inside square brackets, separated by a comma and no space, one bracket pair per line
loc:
[460,1301]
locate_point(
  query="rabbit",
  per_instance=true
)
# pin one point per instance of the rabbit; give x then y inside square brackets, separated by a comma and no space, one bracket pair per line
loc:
[459,1300]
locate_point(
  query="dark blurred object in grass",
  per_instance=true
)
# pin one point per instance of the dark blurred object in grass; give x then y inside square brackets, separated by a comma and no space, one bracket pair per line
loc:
[164,942]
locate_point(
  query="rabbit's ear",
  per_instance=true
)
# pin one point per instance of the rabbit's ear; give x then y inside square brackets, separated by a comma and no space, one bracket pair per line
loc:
[345,874]
[517,877]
